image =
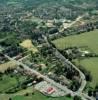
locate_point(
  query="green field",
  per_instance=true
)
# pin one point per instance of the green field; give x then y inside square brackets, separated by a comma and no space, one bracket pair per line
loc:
[38,96]
[91,65]
[7,82]
[89,39]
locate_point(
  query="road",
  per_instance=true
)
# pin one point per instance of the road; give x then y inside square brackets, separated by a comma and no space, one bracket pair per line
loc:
[71,24]
[83,80]
[68,63]
[52,82]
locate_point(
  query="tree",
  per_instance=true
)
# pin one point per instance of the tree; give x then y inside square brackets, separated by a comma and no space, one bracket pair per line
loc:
[34,25]
[10,98]
[27,94]
[94,93]
[90,93]
[77,98]
[88,76]
[53,30]
[96,87]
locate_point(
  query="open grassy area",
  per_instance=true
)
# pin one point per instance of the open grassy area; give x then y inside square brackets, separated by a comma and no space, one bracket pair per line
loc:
[8,81]
[4,97]
[7,65]
[91,65]
[89,39]
[39,96]
[36,96]
[28,45]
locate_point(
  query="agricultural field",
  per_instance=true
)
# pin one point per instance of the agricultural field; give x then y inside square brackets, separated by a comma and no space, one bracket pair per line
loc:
[89,40]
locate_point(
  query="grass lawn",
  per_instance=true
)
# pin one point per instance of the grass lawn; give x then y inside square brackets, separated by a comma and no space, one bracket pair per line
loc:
[89,39]
[38,96]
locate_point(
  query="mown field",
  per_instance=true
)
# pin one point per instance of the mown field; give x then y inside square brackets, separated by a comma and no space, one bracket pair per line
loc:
[89,39]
